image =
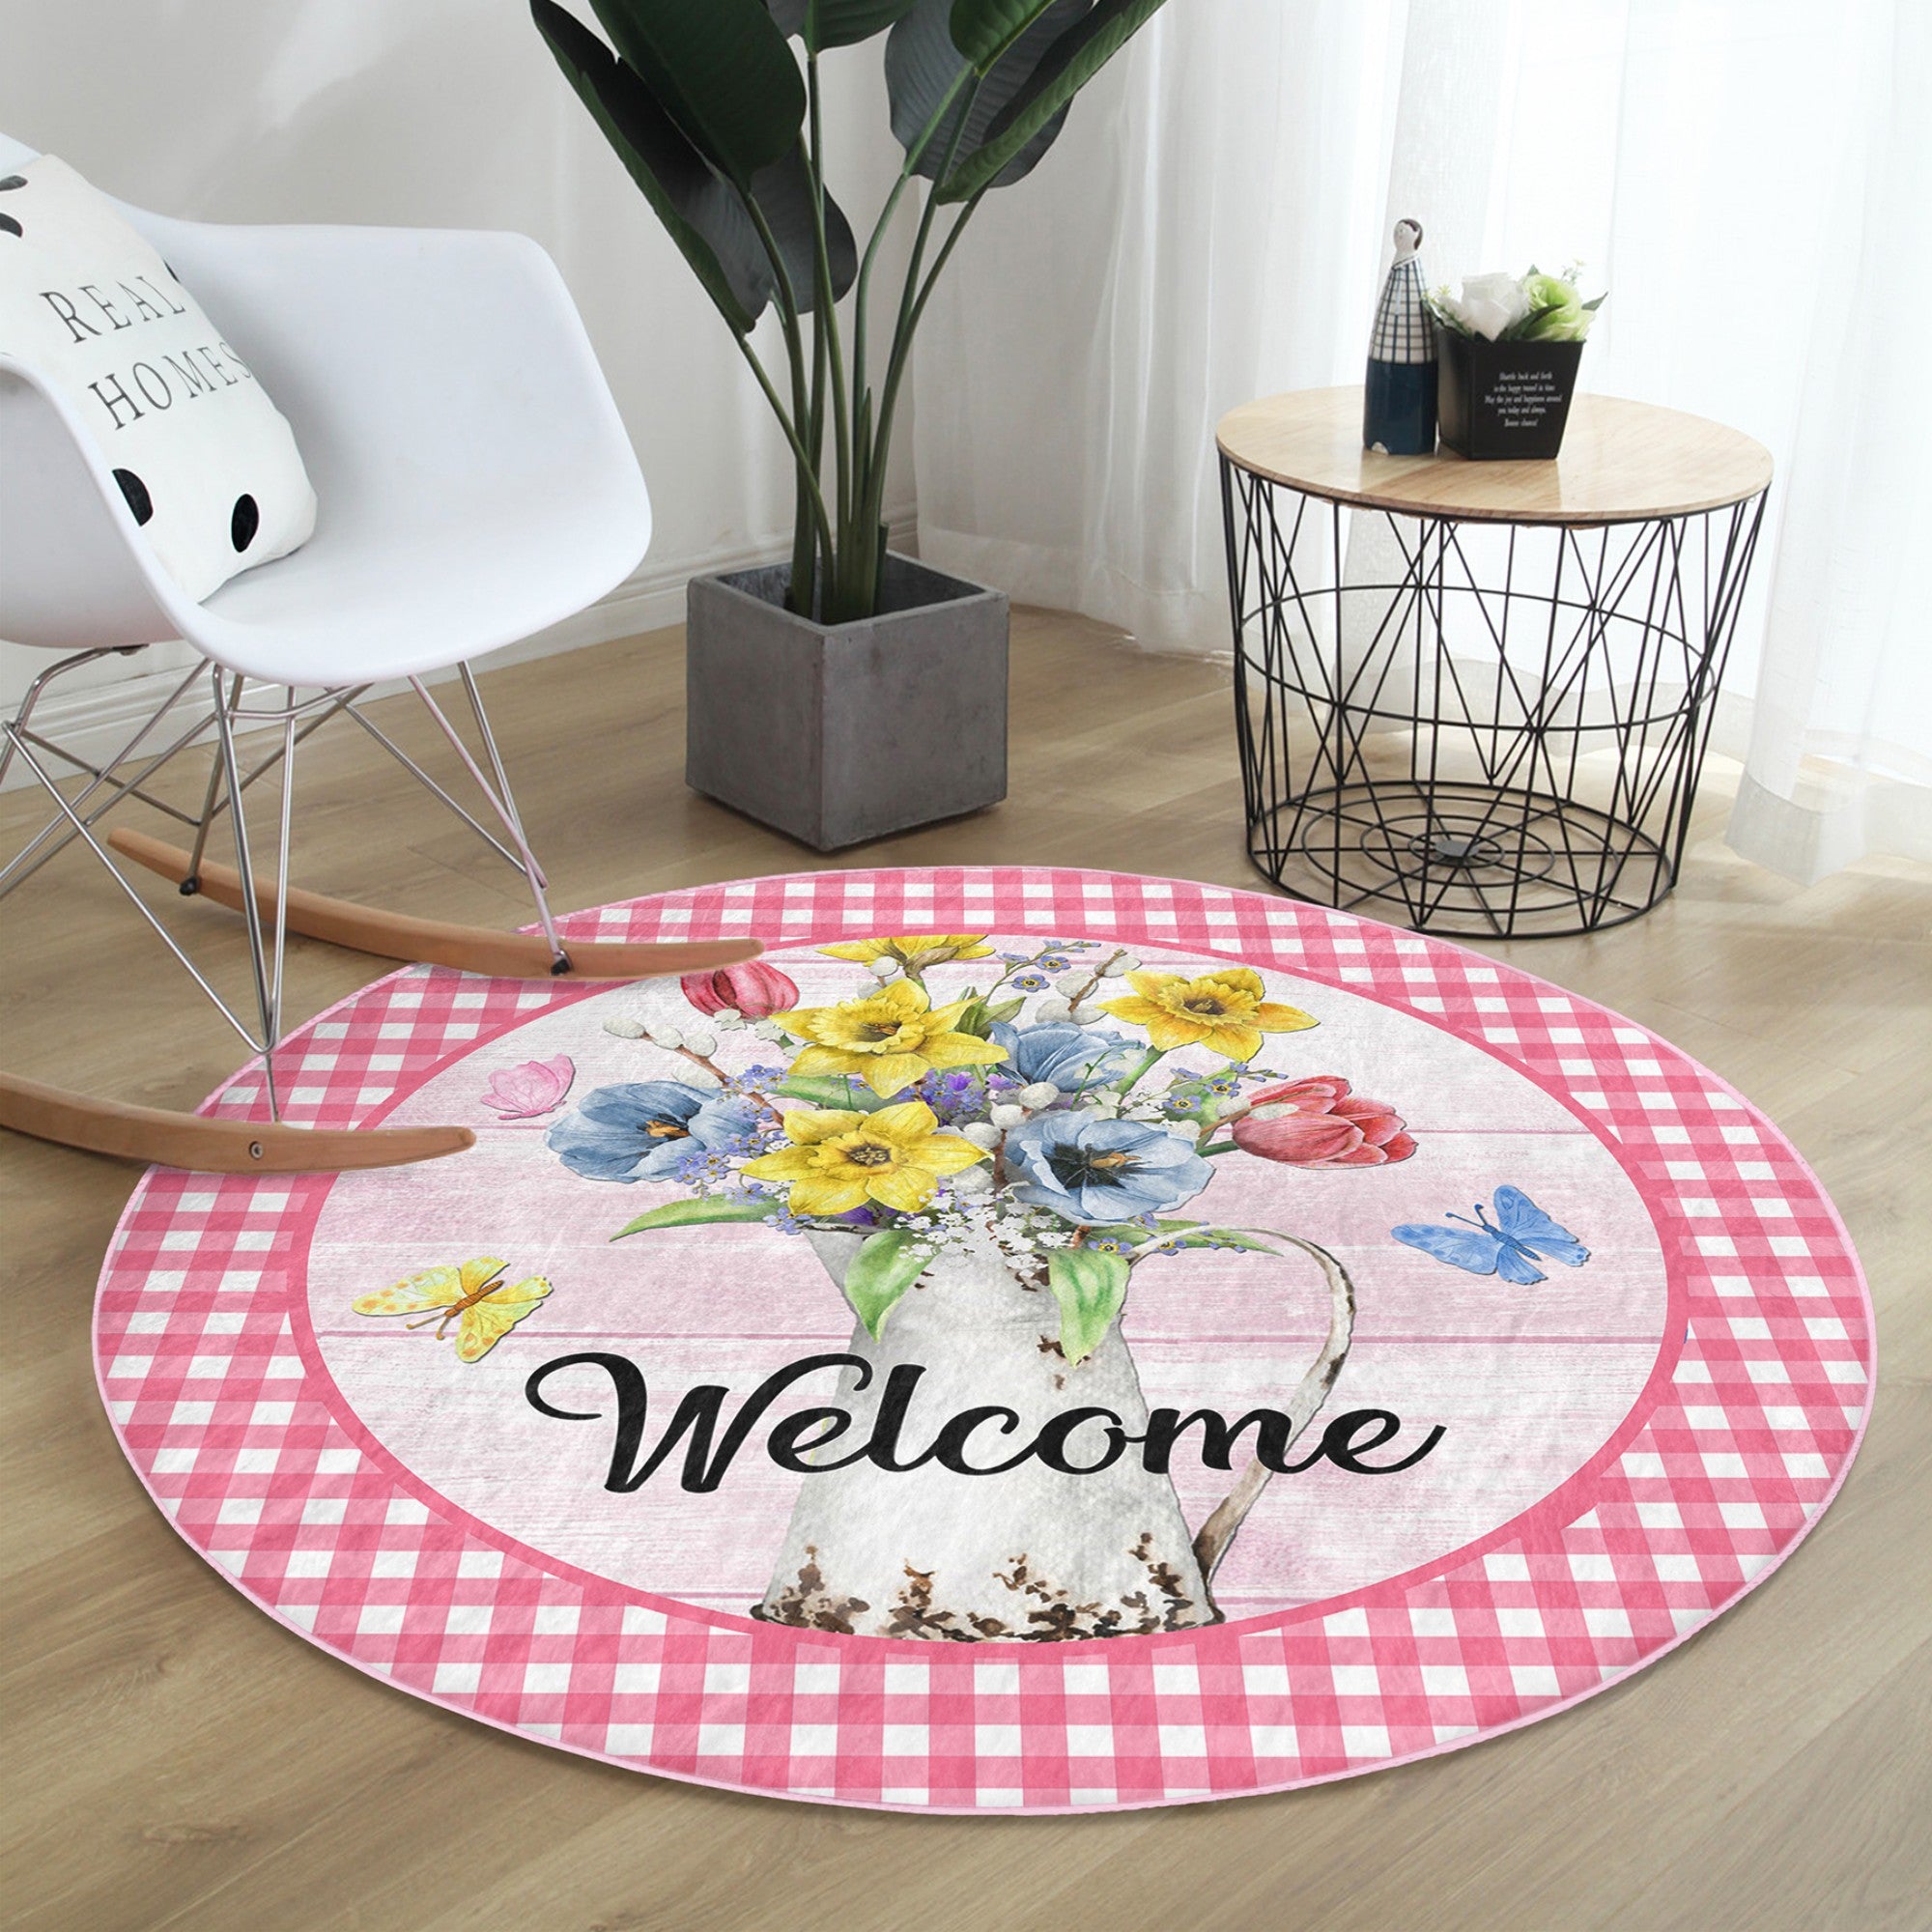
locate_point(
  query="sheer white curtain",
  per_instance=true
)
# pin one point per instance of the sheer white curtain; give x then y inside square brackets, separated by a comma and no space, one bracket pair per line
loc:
[1750,178]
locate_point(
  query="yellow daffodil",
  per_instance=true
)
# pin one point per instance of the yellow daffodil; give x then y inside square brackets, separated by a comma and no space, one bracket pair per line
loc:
[839,1161]
[1225,1011]
[914,951]
[888,1039]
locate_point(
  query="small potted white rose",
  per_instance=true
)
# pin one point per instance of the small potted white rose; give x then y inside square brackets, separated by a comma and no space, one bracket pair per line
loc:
[1507,362]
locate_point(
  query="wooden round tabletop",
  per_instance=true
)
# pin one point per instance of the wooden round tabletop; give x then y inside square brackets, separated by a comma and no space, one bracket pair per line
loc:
[1622,462]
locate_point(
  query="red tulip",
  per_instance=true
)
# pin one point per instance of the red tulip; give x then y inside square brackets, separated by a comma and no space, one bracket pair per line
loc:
[1314,1124]
[755,989]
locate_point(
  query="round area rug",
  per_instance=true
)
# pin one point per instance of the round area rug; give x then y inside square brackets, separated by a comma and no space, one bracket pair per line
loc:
[1036,1341]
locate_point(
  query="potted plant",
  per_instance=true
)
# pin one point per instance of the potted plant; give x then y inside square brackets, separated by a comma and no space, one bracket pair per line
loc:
[817,689]
[1507,362]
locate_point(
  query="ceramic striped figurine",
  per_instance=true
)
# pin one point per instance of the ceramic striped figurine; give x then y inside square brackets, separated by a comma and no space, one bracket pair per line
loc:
[1399,393]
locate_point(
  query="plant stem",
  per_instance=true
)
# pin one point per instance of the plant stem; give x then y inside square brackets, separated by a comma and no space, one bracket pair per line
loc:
[1154,1055]
[902,335]
[785,299]
[907,169]
[807,480]
[827,306]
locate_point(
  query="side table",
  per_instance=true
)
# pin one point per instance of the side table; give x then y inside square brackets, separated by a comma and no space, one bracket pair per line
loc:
[1474,698]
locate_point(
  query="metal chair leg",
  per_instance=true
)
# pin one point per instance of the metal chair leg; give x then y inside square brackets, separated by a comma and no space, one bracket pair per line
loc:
[266,996]
[505,806]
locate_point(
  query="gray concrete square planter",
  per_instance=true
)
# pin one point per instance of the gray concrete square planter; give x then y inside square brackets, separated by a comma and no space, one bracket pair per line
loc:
[838,733]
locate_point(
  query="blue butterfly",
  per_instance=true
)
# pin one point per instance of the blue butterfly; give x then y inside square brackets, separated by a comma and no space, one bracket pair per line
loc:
[1510,1249]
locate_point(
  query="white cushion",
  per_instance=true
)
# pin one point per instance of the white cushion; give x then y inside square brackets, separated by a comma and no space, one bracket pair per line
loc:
[206,462]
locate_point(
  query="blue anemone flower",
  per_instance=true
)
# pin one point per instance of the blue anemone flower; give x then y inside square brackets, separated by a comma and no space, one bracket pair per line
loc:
[1086,1168]
[643,1129]
[1070,1057]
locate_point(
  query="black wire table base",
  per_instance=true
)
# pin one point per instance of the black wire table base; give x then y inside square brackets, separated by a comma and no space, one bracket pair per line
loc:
[1481,729]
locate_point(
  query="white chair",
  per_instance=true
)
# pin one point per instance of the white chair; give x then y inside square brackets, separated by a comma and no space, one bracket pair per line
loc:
[475,485]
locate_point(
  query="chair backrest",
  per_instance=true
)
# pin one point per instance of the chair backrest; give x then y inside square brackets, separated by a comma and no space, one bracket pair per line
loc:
[69,577]
[439,381]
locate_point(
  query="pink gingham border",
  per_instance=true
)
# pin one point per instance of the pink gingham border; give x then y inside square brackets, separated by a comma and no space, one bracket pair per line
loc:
[1739,1444]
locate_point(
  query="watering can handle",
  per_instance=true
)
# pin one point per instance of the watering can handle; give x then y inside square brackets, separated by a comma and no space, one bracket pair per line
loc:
[1217,1532]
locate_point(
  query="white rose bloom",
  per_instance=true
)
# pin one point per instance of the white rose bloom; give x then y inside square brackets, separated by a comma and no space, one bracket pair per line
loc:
[1489,305]
[625,1027]
[1040,1093]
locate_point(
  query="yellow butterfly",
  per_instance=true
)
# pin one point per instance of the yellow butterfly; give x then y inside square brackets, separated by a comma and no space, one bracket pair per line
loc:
[476,1296]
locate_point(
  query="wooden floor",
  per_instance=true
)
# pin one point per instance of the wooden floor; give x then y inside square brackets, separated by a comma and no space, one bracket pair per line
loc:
[175,1759]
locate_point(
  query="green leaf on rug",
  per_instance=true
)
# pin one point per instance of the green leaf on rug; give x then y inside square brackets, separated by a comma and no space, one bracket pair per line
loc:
[1090,1284]
[886,1266]
[832,1091]
[697,1214]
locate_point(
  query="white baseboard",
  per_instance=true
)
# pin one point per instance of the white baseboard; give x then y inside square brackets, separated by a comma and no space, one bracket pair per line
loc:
[96,720]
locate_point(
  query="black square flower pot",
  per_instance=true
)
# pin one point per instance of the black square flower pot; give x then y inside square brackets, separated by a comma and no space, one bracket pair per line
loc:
[839,733]
[1500,400]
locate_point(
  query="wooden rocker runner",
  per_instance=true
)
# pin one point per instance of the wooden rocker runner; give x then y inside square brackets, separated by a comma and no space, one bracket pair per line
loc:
[476,486]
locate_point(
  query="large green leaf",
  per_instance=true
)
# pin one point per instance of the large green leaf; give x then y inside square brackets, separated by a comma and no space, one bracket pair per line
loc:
[701,213]
[722,70]
[1069,64]
[784,194]
[923,65]
[1090,1284]
[835,23]
[831,1092]
[705,214]
[696,1213]
[982,30]
[886,1266]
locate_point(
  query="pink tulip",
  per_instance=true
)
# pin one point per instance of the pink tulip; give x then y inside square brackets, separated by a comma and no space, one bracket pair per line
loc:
[537,1086]
[1314,1124]
[754,989]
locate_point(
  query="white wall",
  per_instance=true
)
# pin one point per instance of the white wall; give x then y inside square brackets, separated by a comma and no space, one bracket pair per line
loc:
[441,113]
